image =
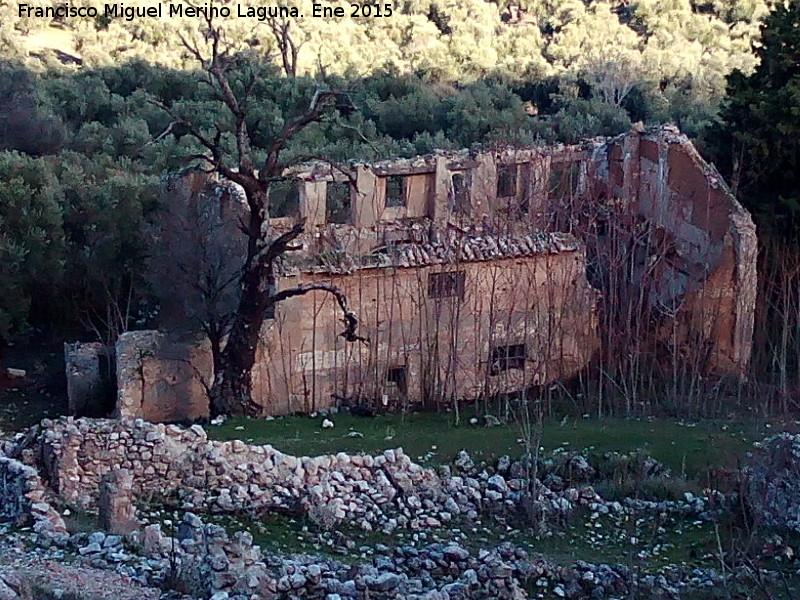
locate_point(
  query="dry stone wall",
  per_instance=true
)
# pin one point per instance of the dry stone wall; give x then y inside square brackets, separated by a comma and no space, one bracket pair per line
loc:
[184,468]
[168,461]
[23,498]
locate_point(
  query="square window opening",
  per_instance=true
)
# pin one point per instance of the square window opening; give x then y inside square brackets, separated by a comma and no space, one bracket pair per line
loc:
[446,285]
[459,192]
[506,181]
[564,180]
[504,358]
[397,380]
[338,202]
[284,199]
[395,191]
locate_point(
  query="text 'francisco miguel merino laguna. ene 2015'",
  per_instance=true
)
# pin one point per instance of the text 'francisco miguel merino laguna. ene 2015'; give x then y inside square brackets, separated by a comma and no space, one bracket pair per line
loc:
[161,10]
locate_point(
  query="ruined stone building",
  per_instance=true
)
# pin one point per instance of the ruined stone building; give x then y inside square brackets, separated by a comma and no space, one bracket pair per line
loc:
[480,273]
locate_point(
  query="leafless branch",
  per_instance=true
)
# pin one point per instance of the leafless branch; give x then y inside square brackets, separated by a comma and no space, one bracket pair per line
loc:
[319,104]
[287,46]
[350,319]
[279,245]
[360,134]
[165,133]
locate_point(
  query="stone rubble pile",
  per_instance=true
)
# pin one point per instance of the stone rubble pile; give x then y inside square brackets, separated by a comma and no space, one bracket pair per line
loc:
[11,586]
[184,467]
[45,577]
[773,482]
[203,560]
[23,498]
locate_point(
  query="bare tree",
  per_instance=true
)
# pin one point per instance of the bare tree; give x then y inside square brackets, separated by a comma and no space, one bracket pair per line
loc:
[286,42]
[198,251]
[232,387]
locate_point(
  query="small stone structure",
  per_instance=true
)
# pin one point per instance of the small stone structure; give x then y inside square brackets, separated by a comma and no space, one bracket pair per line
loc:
[117,513]
[161,377]
[468,272]
[91,381]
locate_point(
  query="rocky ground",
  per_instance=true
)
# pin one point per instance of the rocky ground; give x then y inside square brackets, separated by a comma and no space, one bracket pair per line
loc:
[202,556]
[30,572]
[493,531]
[204,560]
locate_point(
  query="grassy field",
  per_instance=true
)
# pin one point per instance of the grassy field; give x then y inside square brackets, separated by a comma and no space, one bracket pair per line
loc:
[687,448]
[432,438]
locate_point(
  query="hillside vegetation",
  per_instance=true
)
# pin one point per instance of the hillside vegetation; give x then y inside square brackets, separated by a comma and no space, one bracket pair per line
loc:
[661,60]
[86,107]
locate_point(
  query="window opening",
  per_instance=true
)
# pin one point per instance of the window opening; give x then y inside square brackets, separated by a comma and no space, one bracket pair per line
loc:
[337,202]
[504,358]
[564,180]
[284,199]
[506,181]
[459,193]
[396,378]
[447,284]
[395,191]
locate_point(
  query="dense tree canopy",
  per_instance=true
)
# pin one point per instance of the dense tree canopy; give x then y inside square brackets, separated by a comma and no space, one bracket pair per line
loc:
[661,43]
[759,136]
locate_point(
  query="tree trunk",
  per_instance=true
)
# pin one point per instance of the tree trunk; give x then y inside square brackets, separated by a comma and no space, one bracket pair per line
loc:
[232,390]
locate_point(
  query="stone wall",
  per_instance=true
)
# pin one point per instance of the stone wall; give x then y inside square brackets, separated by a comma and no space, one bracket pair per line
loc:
[646,202]
[168,461]
[16,482]
[183,467]
[531,293]
[162,377]
[23,498]
[428,349]
[697,246]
